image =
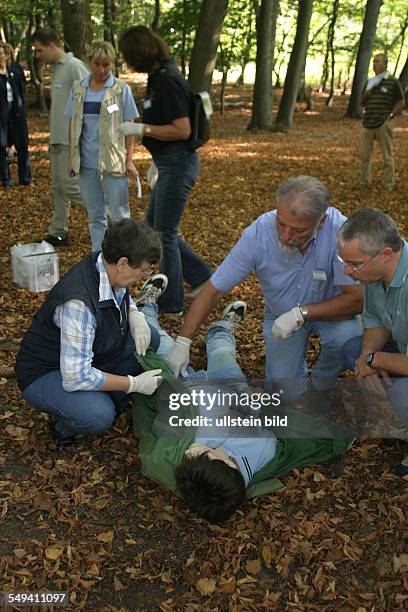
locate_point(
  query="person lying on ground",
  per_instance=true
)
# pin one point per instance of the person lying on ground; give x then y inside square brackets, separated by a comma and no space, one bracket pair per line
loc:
[214,465]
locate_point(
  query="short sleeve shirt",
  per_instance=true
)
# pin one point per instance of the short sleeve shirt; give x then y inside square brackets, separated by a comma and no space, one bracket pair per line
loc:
[251,448]
[381,102]
[64,73]
[168,97]
[388,308]
[286,279]
[92,108]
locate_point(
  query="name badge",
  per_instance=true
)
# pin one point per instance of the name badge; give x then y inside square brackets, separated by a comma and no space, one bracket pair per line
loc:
[57,85]
[112,108]
[319,275]
[147,104]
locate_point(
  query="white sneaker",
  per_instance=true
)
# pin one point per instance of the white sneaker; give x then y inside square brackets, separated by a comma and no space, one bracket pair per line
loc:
[234,313]
[152,289]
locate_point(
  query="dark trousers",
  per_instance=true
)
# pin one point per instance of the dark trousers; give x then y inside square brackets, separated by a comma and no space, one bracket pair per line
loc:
[178,170]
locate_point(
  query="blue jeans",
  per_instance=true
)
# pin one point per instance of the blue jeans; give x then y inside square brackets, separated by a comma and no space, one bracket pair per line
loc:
[100,192]
[221,354]
[397,393]
[85,413]
[178,171]
[286,365]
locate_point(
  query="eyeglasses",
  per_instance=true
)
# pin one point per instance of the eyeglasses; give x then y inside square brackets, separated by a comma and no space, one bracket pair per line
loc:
[355,269]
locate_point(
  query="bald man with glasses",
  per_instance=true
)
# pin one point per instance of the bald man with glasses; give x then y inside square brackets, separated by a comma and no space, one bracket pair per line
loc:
[374,254]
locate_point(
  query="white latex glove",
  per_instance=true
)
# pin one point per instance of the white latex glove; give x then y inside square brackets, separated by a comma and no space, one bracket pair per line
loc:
[145,383]
[287,323]
[179,356]
[132,129]
[152,175]
[140,331]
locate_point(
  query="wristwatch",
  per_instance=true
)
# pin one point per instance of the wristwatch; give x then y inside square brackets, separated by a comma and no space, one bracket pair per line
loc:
[147,129]
[304,310]
[368,359]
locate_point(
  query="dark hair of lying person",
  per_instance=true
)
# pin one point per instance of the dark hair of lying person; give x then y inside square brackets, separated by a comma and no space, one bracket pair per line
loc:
[210,487]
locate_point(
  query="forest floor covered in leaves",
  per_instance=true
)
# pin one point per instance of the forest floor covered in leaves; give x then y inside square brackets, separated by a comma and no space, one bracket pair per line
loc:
[86,521]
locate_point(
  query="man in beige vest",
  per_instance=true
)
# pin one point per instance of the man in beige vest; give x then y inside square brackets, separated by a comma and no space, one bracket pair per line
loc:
[65,70]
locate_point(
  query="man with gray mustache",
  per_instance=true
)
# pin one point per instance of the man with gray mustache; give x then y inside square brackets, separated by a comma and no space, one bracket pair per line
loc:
[293,251]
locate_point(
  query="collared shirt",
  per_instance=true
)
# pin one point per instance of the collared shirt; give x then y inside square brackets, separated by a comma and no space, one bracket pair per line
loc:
[389,307]
[78,326]
[250,447]
[385,93]
[64,73]
[287,279]
[92,109]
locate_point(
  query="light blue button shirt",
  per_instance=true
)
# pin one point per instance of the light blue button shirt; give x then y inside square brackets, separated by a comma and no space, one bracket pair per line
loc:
[287,279]
[91,112]
[250,447]
[389,308]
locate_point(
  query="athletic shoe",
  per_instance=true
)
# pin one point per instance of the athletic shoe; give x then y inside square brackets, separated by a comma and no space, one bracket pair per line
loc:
[234,313]
[402,468]
[152,289]
[57,241]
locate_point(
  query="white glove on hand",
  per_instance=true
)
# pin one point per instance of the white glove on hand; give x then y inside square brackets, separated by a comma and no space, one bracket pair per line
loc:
[132,129]
[179,356]
[140,331]
[145,383]
[287,323]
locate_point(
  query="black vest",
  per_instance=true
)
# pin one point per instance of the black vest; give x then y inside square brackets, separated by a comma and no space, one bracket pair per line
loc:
[40,349]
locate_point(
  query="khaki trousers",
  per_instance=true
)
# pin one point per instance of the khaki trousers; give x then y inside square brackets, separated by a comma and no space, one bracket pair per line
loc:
[64,189]
[384,136]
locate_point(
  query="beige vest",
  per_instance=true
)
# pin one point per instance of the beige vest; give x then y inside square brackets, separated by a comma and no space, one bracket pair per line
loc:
[112,150]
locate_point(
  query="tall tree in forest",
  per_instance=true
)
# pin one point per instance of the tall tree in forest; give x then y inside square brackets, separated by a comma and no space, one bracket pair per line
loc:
[263,93]
[365,51]
[156,16]
[330,44]
[76,20]
[287,104]
[206,42]
[403,77]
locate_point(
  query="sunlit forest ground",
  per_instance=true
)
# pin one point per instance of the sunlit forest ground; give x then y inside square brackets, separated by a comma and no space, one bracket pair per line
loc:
[86,521]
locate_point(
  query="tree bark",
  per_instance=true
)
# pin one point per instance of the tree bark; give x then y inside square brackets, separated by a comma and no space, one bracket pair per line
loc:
[34,67]
[263,92]
[403,77]
[287,104]
[365,50]
[331,47]
[156,15]
[206,42]
[404,81]
[76,19]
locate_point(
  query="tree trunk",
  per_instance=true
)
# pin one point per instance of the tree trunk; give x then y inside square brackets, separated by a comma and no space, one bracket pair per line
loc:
[263,92]
[76,19]
[331,48]
[403,77]
[156,16]
[404,81]
[287,104]
[35,68]
[204,52]
[365,50]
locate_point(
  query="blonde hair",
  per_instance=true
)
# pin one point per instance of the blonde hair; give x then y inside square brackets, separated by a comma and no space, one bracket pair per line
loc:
[102,51]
